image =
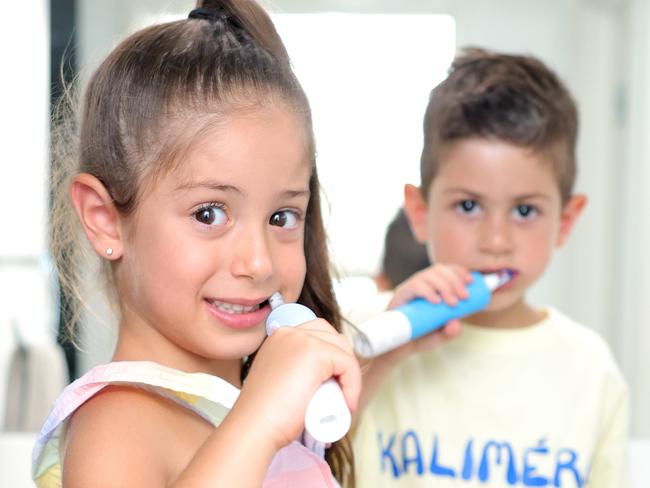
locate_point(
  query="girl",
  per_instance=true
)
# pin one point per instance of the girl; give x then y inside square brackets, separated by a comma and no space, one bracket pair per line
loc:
[196,185]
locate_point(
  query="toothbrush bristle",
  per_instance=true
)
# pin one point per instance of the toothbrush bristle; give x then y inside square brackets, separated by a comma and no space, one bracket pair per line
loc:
[276,300]
[505,275]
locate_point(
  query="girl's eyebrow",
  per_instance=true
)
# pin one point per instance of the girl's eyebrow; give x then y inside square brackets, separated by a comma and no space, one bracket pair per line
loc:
[209,185]
[214,185]
[296,193]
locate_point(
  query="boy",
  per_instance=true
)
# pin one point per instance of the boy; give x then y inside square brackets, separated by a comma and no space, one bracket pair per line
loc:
[523,397]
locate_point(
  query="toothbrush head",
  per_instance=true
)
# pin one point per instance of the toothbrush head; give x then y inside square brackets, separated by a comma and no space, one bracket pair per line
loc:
[276,300]
[496,279]
[505,275]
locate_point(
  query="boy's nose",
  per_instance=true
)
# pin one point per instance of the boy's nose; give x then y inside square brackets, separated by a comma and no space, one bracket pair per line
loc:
[252,256]
[496,235]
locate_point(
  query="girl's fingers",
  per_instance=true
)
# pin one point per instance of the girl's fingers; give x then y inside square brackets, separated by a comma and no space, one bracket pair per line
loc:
[289,368]
[347,371]
[321,329]
[333,352]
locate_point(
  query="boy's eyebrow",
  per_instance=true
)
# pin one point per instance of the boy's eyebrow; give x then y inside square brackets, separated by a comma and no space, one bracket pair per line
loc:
[523,196]
[529,196]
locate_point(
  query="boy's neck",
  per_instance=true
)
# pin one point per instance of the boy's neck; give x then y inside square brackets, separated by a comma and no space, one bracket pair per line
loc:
[518,315]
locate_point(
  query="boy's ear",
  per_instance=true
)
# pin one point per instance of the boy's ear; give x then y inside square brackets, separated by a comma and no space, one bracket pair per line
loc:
[570,213]
[99,217]
[415,207]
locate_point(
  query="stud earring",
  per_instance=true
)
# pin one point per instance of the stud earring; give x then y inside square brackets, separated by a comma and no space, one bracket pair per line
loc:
[109,251]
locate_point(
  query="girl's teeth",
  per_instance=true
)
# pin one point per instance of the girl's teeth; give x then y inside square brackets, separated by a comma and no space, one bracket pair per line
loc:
[234,308]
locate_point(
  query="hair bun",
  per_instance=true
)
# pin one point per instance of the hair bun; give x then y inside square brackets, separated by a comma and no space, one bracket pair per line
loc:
[215,12]
[211,4]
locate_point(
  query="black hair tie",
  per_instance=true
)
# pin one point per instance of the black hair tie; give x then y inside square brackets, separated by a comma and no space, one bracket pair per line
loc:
[213,16]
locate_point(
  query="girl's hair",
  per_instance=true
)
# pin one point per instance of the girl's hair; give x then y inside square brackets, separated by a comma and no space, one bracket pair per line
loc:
[155,92]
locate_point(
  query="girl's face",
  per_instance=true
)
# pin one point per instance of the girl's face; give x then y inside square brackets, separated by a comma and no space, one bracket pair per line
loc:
[212,241]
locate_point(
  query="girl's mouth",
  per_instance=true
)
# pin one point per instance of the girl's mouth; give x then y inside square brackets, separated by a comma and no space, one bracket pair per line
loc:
[239,315]
[236,308]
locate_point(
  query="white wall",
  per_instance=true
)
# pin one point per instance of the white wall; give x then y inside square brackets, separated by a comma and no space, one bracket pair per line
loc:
[25,292]
[633,286]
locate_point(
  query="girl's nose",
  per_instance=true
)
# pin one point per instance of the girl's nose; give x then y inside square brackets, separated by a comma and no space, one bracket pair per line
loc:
[252,255]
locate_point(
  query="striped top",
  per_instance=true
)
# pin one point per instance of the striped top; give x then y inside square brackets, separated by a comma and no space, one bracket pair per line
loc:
[301,463]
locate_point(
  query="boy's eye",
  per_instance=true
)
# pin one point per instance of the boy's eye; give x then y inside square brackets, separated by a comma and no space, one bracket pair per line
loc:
[285,218]
[525,212]
[211,214]
[467,206]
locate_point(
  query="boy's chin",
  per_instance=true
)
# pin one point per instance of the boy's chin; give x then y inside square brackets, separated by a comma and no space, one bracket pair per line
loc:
[503,300]
[509,312]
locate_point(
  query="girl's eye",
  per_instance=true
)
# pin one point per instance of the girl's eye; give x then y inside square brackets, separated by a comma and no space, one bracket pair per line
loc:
[525,212]
[468,207]
[286,219]
[211,214]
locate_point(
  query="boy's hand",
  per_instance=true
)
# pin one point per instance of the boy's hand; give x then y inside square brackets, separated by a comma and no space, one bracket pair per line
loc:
[436,283]
[439,282]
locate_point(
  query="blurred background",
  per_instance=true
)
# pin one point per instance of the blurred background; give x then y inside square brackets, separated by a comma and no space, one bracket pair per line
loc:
[367,67]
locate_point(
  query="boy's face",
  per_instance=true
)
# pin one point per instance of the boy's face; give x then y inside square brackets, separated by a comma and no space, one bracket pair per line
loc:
[494,206]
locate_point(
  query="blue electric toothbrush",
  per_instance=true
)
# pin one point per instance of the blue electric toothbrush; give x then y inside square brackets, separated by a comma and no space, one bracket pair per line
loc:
[327,418]
[394,328]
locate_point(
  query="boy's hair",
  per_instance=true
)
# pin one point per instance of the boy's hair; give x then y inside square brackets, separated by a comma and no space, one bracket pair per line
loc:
[511,98]
[154,94]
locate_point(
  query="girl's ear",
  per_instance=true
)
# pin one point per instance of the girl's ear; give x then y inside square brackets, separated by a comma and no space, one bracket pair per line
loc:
[98,215]
[570,213]
[415,207]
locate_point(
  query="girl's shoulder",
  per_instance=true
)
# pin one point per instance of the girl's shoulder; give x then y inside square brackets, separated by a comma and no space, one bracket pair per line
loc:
[126,414]
[124,431]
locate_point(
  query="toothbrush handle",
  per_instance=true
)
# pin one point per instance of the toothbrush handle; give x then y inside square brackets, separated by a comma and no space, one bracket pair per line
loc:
[327,418]
[393,328]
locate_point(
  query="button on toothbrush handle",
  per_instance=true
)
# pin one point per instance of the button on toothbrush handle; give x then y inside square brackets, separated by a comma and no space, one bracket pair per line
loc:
[328,417]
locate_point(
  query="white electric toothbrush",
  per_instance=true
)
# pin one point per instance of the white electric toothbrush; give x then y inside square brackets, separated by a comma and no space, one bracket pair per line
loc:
[327,418]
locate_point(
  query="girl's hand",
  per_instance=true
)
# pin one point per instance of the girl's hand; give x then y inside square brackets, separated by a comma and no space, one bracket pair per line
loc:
[288,369]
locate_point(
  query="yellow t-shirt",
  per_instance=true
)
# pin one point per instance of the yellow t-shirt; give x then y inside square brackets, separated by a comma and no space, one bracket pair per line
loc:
[544,405]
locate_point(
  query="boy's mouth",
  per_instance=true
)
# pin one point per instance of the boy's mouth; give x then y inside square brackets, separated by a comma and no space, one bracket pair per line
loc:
[506,276]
